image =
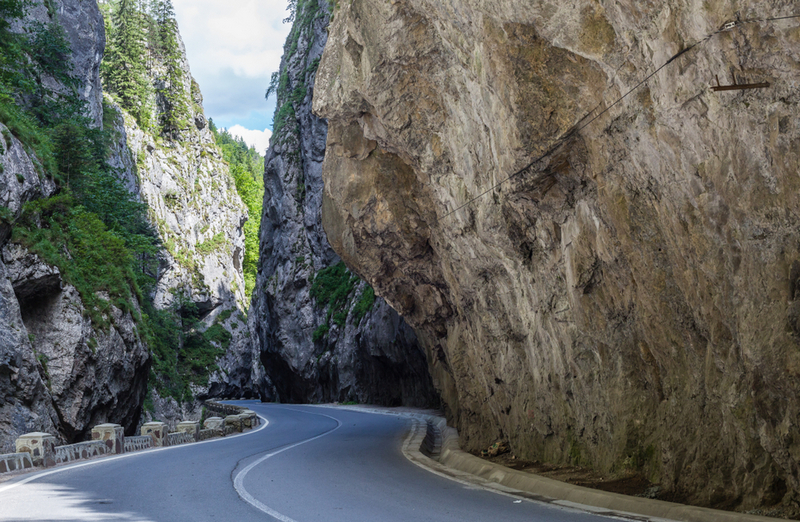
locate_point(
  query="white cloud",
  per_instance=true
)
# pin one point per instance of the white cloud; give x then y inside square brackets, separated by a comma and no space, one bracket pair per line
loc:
[254,138]
[233,47]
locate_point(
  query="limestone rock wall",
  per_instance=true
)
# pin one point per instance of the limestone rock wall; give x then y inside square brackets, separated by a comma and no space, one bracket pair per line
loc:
[57,374]
[85,34]
[25,403]
[629,301]
[199,216]
[92,375]
[375,358]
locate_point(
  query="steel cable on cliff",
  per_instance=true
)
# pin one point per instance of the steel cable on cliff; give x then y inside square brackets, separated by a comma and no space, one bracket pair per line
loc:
[578,127]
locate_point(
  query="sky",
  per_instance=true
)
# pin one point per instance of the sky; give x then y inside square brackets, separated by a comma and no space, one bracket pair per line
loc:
[233,48]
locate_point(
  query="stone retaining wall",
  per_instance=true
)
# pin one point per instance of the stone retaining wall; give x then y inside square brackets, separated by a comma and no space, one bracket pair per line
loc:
[176,439]
[210,434]
[138,443]
[79,451]
[15,461]
[224,409]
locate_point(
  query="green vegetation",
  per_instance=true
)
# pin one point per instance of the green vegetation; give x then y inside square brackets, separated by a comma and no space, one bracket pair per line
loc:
[364,303]
[184,350]
[247,169]
[124,67]
[302,14]
[139,36]
[321,331]
[224,316]
[332,286]
[93,229]
[175,113]
[92,256]
[212,245]
[27,107]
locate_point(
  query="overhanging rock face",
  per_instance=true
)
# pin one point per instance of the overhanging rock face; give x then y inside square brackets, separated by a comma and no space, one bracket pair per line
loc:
[361,351]
[628,301]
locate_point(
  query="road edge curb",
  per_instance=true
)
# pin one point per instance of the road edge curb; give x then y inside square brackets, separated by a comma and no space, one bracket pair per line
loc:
[441,453]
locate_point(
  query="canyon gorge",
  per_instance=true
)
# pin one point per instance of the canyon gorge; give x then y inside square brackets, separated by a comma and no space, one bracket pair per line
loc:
[536,216]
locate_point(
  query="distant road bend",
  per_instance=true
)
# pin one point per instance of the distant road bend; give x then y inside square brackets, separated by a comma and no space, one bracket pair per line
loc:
[309,464]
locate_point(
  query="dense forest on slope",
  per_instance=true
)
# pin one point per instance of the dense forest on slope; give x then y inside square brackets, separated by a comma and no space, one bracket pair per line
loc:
[139,37]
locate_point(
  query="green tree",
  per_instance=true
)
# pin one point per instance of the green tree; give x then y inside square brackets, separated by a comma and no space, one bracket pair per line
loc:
[175,102]
[124,67]
[11,10]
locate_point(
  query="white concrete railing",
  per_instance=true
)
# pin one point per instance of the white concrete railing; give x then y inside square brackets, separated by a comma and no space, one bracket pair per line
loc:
[39,449]
[138,443]
[15,462]
[80,451]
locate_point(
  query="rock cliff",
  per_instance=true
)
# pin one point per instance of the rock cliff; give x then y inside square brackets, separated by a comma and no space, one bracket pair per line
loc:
[59,372]
[72,355]
[199,216]
[25,404]
[317,348]
[627,298]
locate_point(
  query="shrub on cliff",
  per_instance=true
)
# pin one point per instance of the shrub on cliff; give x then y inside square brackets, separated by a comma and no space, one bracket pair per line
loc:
[333,286]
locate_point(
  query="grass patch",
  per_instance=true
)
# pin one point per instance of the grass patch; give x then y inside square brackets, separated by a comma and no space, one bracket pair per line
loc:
[212,245]
[332,286]
[364,303]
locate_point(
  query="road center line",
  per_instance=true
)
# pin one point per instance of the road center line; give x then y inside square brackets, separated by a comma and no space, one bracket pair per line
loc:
[238,481]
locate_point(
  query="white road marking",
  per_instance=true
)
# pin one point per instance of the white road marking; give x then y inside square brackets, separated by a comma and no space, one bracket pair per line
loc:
[238,481]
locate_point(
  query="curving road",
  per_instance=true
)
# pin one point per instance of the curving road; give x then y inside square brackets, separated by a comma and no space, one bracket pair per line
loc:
[309,464]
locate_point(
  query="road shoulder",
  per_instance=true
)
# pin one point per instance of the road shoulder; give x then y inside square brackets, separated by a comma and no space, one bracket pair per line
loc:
[433,445]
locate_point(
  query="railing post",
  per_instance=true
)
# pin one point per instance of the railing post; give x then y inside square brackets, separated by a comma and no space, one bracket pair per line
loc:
[250,418]
[112,435]
[215,423]
[190,427]
[234,421]
[41,446]
[158,431]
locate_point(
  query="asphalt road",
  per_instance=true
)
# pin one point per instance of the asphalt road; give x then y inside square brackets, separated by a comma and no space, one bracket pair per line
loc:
[309,464]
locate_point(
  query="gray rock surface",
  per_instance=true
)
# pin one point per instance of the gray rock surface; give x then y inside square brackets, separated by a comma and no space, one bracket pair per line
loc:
[376,359]
[200,218]
[93,375]
[25,402]
[85,34]
[59,374]
[20,180]
[630,301]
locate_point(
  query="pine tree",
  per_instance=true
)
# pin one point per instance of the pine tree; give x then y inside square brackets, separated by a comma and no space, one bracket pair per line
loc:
[125,71]
[175,100]
[154,44]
